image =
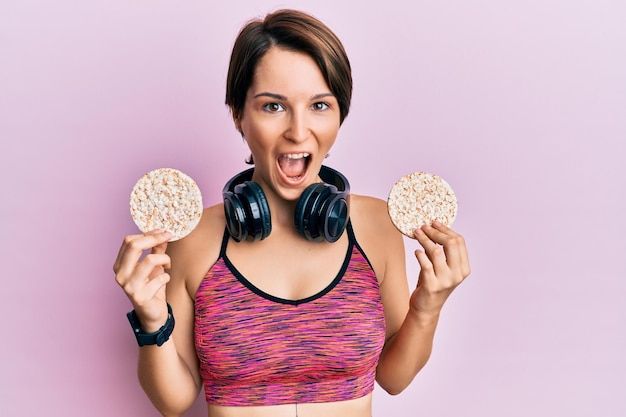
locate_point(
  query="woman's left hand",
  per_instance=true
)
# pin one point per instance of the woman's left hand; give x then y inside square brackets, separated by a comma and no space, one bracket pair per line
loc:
[444,265]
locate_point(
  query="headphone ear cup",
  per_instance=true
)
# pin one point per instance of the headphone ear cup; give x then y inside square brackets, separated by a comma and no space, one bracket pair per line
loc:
[335,215]
[235,216]
[258,219]
[305,217]
[321,213]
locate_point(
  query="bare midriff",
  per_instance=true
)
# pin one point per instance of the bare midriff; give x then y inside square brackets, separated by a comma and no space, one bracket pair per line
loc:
[360,407]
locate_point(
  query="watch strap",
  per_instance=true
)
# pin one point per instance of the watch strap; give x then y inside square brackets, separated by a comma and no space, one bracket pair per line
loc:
[157,338]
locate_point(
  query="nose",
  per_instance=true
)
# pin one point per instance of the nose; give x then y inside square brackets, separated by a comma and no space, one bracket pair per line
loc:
[298,129]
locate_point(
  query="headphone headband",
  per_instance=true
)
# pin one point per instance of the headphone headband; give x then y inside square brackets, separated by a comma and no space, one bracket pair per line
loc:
[327,174]
[336,178]
[238,179]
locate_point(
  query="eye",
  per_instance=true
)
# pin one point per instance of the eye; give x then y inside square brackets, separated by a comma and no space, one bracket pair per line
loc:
[320,106]
[273,107]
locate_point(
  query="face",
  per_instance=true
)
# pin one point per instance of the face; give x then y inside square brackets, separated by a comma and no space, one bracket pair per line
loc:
[290,121]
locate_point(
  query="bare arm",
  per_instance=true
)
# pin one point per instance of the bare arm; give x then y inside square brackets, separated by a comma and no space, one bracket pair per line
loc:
[169,373]
[411,318]
[444,264]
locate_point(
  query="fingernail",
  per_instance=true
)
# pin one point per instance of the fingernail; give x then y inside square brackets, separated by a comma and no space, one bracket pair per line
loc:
[418,232]
[436,223]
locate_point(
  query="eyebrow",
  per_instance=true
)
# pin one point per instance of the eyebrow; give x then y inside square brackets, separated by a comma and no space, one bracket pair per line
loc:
[281,97]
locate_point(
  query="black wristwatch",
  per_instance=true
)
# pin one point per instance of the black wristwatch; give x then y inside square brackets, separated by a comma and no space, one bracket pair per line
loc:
[157,338]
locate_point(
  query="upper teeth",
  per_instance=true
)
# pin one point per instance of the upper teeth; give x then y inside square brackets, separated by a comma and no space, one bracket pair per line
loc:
[297,155]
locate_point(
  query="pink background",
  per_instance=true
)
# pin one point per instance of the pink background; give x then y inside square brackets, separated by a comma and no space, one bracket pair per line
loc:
[520,106]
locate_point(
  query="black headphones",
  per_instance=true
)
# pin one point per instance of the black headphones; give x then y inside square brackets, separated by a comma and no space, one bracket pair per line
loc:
[321,212]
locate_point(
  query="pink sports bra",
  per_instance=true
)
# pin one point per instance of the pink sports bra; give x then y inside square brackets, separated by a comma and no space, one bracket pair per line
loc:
[256,349]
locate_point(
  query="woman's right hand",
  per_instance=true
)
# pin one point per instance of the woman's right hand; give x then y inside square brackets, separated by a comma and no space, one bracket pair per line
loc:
[144,279]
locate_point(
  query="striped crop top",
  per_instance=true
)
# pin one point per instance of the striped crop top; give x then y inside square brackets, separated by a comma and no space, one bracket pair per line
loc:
[256,349]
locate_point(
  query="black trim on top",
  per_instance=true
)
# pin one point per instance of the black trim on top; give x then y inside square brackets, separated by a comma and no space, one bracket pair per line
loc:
[225,240]
[239,276]
[356,243]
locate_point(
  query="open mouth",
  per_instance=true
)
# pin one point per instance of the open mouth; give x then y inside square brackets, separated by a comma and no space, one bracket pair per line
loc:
[294,165]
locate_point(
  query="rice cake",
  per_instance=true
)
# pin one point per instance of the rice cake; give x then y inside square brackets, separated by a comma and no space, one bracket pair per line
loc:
[166,199]
[421,198]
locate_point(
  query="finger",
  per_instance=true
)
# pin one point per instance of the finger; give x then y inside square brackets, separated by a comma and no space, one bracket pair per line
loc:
[153,264]
[149,291]
[122,251]
[140,271]
[454,248]
[438,232]
[146,271]
[462,250]
[161,247]
[465,265]
[125,244]
[432,249]
[134,246]
[427,270]
[452,243]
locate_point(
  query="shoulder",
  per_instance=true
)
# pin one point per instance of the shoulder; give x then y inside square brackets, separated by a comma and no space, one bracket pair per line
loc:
[370,216]
[192,256]
[371,205]
[375,232]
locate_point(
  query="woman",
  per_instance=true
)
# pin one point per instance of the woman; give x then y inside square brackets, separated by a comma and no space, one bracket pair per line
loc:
[303,305]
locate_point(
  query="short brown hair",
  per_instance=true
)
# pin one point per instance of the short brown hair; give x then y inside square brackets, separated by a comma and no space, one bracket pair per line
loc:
[295,31]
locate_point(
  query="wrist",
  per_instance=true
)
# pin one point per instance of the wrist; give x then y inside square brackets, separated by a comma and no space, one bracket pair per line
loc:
[157,337]
[424,317]
[151,326]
